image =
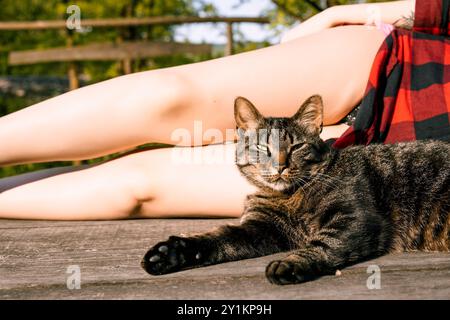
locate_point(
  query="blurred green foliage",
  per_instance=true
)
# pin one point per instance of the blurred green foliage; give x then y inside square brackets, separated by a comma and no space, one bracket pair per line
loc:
[289,11]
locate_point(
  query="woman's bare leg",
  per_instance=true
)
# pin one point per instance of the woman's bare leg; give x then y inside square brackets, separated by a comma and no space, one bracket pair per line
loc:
[149,106]
[144,184]
[200,182]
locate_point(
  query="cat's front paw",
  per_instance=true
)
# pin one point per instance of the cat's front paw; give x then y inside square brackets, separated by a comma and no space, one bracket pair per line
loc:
[286,272]
[172,255]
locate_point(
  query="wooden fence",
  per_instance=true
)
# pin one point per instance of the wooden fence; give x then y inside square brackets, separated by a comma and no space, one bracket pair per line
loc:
[122,51]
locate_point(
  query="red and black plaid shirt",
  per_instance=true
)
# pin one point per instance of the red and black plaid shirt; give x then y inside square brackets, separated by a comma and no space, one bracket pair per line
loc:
[408,94]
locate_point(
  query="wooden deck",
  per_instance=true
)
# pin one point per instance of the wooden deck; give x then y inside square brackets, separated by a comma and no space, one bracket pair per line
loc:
[35,255]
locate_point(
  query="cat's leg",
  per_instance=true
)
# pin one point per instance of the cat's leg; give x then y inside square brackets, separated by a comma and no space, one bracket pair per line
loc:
[300,266]
[346,240]
[253,238]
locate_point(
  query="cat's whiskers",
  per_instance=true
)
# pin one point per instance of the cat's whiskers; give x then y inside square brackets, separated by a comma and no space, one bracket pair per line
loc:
[332,181]
[328,176]
[319,177]
[319,181]
[301,183]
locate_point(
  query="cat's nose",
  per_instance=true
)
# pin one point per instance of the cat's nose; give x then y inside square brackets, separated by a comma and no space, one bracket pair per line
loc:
[282,170]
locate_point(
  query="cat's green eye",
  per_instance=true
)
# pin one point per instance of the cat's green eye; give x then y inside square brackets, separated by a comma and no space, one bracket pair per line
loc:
[298,146]
[262,148]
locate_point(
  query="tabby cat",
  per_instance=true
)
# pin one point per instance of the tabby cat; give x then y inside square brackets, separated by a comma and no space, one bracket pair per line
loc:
[329,208]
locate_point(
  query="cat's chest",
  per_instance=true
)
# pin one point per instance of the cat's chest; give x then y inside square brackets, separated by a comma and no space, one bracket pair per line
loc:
[283,205]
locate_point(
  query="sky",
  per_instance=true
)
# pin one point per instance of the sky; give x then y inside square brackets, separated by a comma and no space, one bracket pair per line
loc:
[215,33]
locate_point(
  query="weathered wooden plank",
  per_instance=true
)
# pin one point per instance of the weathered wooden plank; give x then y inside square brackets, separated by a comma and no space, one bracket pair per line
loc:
[106,51]
[34,256]
[123,22]
[230,41]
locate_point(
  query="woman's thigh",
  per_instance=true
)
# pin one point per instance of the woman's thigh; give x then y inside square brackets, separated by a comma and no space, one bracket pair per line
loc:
[174,182]
[334,63]
[193,182]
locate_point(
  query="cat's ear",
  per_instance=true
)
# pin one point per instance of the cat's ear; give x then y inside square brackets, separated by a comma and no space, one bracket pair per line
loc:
[246,115]
[310,115]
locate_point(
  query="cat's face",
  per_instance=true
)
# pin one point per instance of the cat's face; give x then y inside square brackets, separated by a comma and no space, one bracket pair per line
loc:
[280,153]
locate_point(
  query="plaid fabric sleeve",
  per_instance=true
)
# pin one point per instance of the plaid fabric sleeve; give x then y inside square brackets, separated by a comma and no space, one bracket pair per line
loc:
[432,17]
[408,93]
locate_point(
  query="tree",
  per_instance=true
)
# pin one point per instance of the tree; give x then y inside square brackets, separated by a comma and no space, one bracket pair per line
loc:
[288,11]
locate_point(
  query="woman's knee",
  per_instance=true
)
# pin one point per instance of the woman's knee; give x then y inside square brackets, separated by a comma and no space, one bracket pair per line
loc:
[135,173]
[169,94]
